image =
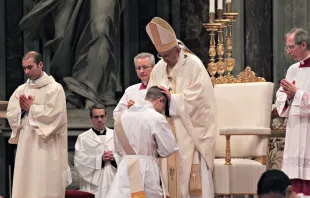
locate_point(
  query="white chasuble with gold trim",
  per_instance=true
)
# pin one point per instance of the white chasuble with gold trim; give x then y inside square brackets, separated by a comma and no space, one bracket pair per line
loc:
[193,119]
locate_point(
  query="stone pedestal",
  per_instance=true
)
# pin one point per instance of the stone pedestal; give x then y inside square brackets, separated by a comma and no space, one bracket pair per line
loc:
[3,107]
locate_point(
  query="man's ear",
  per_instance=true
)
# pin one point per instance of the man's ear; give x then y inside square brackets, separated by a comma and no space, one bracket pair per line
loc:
[304,44]
[162,99]
[289,190]
[40,64]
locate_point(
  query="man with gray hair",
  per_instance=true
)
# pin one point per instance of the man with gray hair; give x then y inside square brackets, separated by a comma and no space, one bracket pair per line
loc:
[293,102]
[144,63]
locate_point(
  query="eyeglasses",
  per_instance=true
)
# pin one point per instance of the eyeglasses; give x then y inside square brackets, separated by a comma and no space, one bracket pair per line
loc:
[97,116]
[290,47]
[144,67]
[167,55]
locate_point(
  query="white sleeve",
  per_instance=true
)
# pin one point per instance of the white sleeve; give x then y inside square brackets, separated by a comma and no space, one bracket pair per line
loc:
[166,143]
[172,106]
[88,166]
[301,104]
[117,147]
[31,120]
[69,181]
[122,105]
[280,103]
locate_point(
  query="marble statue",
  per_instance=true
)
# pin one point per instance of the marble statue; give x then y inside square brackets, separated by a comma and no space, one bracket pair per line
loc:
[81,36]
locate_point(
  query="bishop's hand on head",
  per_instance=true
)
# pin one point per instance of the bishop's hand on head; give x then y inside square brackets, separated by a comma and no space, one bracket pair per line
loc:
[166,91]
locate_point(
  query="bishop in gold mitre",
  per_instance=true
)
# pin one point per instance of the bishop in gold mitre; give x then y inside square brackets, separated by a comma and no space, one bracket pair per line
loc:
[183,77]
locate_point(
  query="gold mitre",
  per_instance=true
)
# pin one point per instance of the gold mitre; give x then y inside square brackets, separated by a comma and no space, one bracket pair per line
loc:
[161,34]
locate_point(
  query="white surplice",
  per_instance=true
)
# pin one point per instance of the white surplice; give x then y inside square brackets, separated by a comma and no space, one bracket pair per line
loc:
[131,93]
[41,162]
[193,110]
[296,156]
[149,135]
[89,149]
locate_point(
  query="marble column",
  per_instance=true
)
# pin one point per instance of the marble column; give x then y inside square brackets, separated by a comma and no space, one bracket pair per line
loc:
[196,38]
[163,8]
[2,52]
[14,46]
[30,45]
[192,33]
[176,16]
[258,35]
[3,168]
[287,15]
[130,41]
[238,37]
[147,10]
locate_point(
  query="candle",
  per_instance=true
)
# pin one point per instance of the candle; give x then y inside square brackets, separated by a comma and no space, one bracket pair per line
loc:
[220,4]
[212,5]
[228,6]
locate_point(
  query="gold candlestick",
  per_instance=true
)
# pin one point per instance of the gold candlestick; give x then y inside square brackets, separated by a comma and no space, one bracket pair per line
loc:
[228,7]
[221,65]
[219,14]
[230,62]
[211,17]
[212,28]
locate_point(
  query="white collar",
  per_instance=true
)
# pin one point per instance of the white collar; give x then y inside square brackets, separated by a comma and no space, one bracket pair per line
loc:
[37,80]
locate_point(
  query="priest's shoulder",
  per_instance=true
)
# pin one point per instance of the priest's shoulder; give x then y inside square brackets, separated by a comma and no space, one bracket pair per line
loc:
[57,85]
[133,87]
[108,129]
[20,87]
[293,67]
[84,134]
[193,59]
[158,117]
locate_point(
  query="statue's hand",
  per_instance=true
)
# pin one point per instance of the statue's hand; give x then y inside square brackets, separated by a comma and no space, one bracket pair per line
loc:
[88,104]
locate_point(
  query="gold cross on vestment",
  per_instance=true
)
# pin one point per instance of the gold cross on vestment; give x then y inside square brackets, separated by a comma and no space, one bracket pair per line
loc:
[171,173]
[194,175]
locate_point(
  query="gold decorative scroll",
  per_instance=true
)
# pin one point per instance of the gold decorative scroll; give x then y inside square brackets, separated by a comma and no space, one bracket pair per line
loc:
[244,77]
[248,76]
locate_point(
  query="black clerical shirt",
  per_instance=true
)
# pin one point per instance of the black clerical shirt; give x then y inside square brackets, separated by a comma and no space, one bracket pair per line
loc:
[113,162]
